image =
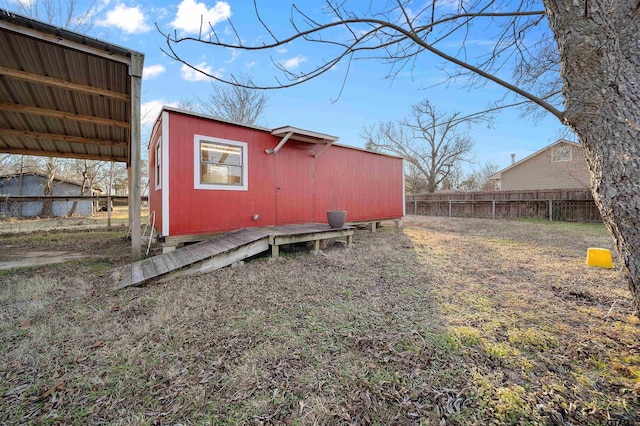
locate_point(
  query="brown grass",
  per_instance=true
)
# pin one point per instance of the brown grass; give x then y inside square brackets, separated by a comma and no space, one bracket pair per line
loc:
[450,321]
[119,218]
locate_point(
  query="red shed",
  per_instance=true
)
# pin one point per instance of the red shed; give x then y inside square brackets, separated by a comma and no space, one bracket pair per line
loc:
[209,175]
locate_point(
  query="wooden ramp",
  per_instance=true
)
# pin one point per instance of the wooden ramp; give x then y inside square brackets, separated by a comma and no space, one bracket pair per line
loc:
[210,255]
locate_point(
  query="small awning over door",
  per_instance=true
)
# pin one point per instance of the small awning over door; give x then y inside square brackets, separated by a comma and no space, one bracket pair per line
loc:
[293,133]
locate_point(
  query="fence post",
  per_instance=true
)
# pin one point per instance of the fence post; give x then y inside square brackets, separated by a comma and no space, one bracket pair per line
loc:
[550,210]
[415,207]
[473,205]
[449,208]
[493,208]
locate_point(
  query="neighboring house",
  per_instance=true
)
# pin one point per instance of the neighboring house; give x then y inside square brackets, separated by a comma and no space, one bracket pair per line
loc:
[560,165]
[209,175]
[33,185]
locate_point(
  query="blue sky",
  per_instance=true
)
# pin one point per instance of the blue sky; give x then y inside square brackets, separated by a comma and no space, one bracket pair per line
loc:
[366,99]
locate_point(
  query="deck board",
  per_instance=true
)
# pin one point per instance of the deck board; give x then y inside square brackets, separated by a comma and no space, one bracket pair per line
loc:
[170,261]
[210,249]
[186,253]
[229,246]
[125,275]
[192,252]
[136,272]
[207,250]
[180,258]
[148,269]
[160,265]
[224,244]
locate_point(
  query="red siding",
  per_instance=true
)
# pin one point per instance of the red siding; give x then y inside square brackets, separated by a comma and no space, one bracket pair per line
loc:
[368,186]
[295,183]
[198,211]
[288,187]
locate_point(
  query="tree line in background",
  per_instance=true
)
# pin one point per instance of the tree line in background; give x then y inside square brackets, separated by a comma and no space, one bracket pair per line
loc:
[102,177]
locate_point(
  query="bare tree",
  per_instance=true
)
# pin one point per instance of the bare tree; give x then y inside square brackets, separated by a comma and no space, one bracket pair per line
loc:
[89,171]
[433,143]
[51,168]
[238,102]
[188,105]
[69,14]
[595,42]
[414,181]
[452,181]
[478,179]
[8,164]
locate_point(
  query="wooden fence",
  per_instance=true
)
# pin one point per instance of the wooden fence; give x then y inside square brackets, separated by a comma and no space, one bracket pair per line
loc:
[571,205]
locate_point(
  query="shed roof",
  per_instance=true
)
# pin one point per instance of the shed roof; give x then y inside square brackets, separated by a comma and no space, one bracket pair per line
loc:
[298,133]
[498,175]
[63,94]
[8,176]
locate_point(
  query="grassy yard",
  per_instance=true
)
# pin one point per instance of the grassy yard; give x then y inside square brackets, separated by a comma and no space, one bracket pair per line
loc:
[119,217]
[445,322]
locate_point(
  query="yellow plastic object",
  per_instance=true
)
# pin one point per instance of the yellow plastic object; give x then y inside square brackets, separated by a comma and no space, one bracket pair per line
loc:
[599,257]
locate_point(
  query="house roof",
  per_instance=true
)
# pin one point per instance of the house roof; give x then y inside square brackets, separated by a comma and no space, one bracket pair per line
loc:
[498,175]
[63,94]
[297,133]
[44,176]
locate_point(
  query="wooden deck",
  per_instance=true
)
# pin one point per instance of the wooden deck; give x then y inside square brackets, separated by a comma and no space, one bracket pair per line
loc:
[233,247]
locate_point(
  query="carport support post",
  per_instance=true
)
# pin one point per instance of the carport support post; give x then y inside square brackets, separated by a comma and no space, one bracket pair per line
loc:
[135,70]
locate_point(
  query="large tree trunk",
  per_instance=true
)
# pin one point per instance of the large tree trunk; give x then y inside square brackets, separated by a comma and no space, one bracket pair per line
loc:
[47,205]
[599,44]
[83,187]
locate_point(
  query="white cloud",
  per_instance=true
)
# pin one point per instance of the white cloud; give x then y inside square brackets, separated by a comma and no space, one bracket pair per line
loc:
[282,50]
[293,63]
[149,110]
[191,15]
[189,74]
[152,71]
[234,55]
[129,19]
[159,13]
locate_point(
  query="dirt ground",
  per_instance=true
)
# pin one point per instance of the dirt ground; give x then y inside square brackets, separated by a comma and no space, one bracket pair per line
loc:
[447,321]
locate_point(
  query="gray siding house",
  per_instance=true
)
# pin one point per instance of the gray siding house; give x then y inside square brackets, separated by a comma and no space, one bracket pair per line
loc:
[33,185]
[560,165]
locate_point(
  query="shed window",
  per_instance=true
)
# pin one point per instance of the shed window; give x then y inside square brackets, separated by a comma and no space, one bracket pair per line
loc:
[221,164]
[561,153]
[158,167]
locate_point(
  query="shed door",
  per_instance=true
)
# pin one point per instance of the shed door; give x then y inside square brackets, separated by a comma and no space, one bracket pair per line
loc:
[294,184]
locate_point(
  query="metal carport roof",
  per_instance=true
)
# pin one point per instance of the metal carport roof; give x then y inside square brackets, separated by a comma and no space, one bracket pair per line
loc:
[63,94]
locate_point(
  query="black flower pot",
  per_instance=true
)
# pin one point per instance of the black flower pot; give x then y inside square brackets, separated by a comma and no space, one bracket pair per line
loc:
[336,218]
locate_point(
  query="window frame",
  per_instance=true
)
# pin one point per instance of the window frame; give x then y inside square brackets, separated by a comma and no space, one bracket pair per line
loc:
[557,159]
[158,164]
[197,161]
